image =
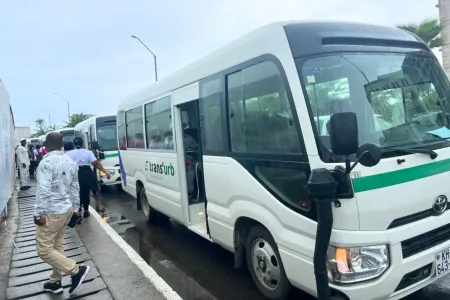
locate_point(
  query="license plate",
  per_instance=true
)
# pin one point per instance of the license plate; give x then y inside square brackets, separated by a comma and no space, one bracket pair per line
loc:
[442,262]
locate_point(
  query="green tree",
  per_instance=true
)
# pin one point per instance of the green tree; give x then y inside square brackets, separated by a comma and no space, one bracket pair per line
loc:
[53,127]
[428,30]
[77,118]
[41,128]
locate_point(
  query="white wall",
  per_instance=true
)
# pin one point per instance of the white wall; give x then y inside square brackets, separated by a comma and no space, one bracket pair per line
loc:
[7,163]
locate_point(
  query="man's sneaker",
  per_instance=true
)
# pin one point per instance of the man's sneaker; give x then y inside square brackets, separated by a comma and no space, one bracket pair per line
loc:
[78,278]
[54,287]
[86,214]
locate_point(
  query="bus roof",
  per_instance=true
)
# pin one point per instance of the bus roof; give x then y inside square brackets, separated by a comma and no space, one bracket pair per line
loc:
[90,121]
[256,43]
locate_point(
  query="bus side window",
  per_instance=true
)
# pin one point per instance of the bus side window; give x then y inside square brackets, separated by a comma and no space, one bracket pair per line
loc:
[158,122]
[210,115]
[121,132]
[260,117]
[135,129]
[262,128]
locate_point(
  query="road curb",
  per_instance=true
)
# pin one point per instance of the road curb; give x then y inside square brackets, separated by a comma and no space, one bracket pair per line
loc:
[159,283]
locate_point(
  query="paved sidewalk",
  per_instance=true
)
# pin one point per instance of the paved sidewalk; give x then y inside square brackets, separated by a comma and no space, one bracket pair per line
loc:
[28,272]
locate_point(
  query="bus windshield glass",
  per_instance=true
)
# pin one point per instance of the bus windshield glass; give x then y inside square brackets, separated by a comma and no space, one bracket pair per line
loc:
[107,137]
[400,99]
[68,136]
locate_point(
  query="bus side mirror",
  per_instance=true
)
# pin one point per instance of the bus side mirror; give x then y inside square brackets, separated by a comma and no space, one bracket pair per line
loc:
[94,145]
[343,129]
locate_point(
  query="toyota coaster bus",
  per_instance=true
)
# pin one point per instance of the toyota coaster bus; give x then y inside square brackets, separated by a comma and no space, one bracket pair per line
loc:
[99,134]
[226,145]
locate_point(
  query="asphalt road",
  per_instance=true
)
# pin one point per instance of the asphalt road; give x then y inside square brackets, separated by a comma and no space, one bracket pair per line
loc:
[195,268]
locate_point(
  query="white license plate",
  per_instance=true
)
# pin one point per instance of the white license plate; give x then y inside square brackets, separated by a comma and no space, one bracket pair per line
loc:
[442,260]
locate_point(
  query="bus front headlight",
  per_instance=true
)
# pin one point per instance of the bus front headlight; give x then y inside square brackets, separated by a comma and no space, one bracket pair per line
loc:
[110,171]
[356,264]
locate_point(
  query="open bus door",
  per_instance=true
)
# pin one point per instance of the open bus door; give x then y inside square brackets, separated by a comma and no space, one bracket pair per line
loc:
[190,163]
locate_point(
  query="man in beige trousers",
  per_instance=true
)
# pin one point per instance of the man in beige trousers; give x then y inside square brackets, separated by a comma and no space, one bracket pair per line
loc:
[57,198]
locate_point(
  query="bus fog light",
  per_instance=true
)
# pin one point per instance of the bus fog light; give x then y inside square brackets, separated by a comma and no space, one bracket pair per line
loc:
[352,265]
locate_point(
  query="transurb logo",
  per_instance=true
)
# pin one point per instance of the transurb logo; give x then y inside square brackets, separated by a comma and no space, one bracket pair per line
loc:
[162,168]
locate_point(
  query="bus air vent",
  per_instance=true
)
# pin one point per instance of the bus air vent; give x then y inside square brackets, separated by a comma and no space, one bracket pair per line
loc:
[425,241]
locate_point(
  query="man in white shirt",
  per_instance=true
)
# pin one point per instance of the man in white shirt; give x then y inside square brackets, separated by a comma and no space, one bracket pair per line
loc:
[57,199]
[23,162]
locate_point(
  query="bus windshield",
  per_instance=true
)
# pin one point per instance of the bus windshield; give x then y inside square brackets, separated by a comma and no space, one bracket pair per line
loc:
[398,98]
[68,136]
[107,137]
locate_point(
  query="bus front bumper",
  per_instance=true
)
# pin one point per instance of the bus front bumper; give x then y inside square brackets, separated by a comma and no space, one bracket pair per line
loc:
[403,277]
[115,177]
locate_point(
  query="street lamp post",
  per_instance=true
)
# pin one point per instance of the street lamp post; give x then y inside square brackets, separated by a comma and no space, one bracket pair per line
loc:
[68,104]
[154,56]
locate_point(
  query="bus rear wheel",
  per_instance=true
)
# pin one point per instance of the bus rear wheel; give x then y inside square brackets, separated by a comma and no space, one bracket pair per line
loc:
[151,215]
[265,265]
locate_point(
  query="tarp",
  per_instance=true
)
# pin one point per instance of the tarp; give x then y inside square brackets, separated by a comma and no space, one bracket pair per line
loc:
[7,162]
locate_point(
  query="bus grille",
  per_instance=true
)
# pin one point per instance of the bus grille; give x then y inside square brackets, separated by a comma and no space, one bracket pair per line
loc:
[425,241]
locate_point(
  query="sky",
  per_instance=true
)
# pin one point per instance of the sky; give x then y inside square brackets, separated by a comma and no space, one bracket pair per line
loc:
[83,49]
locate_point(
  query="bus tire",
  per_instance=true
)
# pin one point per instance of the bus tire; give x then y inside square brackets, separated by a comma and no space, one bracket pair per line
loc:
[151,215]
[265,265]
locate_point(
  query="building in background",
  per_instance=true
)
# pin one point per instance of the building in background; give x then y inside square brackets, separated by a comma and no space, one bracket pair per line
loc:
[21,132]
[444,18]
[7,147]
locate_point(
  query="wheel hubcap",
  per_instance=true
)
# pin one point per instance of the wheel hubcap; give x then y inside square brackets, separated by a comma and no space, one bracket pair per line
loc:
[265,264]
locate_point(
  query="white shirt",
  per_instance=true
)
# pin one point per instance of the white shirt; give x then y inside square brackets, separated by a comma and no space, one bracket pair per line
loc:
[82,157]
[22,155]
[57,184]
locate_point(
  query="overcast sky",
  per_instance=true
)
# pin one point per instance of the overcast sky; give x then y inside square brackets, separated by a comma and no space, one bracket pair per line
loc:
[82,49]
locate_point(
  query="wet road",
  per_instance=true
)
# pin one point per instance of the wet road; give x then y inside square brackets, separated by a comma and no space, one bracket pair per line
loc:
[194,267]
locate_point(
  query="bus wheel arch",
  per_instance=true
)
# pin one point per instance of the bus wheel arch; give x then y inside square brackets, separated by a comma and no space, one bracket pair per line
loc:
[241,229]
[139,186]
[152,216]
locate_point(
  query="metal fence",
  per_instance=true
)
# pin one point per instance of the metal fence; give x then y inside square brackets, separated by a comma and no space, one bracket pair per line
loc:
[7,155]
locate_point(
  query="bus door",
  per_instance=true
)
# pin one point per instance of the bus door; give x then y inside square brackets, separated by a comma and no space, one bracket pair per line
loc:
[190,153]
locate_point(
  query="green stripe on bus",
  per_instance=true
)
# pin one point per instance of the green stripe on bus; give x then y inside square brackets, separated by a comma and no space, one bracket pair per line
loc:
[111,155]
[378,181]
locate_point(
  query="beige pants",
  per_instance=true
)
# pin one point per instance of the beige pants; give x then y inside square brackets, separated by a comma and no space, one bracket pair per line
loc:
[50,245]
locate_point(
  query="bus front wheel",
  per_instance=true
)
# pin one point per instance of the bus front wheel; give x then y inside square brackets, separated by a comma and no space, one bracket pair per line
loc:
[265,265]
[151,215]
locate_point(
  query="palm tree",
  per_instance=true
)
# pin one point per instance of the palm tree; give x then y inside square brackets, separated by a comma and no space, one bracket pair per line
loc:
[77,118]
[41,128]
[428,30]
[53,127]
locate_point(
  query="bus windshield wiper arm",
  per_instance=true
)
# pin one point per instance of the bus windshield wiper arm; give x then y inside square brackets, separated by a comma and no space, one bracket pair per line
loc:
[430,152]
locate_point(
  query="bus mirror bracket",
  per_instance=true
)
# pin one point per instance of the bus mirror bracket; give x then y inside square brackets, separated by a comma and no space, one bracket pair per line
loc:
[101,155]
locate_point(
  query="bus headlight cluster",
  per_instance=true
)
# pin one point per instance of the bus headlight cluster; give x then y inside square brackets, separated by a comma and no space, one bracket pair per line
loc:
[110,171]
[357,264]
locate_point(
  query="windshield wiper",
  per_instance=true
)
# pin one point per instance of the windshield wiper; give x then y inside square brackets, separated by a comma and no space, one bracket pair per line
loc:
[430,152]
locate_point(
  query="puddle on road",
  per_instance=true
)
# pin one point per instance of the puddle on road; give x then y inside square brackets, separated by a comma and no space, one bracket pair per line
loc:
[194,267]
[176,278]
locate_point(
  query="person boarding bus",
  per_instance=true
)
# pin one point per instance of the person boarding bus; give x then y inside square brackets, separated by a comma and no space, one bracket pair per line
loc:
[86,177]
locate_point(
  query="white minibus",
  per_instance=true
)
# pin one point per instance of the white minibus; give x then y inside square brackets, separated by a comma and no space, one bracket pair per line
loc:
[226,146]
